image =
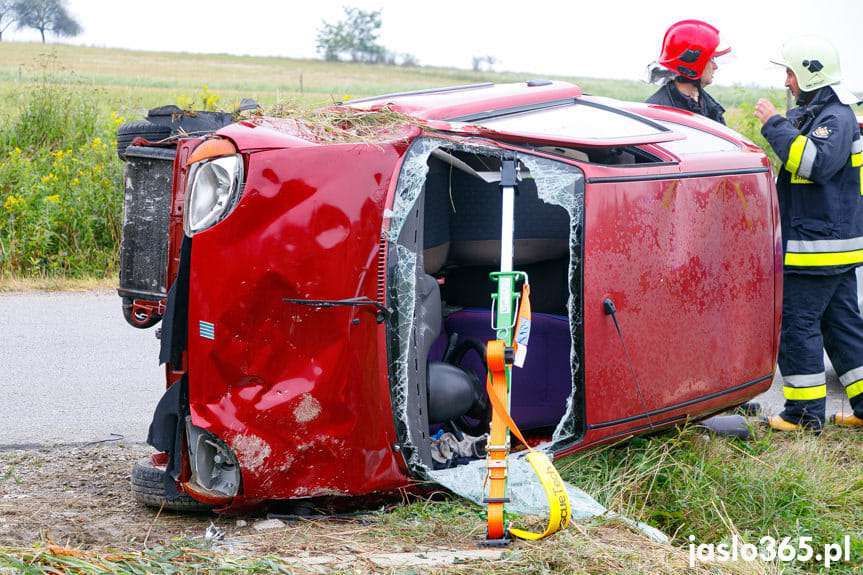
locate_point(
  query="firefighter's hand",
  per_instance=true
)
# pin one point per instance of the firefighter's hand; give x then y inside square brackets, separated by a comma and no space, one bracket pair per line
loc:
[764,110]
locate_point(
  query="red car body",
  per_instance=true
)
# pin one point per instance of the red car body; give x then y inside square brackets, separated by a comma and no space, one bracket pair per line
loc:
[670,217]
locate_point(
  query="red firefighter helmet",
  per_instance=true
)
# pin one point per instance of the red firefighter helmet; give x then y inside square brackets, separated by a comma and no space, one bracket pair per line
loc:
[688,46]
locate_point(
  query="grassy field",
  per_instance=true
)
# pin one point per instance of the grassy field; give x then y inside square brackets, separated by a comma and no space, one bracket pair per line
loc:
[140,80]
[60,179]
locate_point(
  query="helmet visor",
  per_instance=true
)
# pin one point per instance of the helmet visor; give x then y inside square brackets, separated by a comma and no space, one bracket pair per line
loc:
[722,55]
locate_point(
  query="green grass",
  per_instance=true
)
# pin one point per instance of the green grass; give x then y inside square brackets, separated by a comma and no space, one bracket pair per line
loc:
[713,489]
[183,557]
[146,79]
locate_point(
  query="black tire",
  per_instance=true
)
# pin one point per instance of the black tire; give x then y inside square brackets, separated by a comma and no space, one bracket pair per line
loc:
[139,128]
[148,487]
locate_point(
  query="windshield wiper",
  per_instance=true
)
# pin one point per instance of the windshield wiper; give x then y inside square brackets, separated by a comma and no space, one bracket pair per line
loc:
[383,311]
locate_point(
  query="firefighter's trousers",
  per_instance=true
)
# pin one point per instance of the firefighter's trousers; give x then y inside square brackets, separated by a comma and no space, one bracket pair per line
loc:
[819,312]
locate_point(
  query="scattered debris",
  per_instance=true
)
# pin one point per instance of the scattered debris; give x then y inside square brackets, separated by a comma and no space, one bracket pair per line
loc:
[268,524]
[213,533]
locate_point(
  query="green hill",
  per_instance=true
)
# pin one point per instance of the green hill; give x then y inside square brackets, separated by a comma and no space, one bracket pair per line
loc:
[140,80]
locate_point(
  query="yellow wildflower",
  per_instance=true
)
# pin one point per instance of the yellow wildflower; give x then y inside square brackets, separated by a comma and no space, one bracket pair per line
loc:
[12,202]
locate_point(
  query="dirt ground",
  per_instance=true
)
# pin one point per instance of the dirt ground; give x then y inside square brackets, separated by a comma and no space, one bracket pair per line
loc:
[79,497]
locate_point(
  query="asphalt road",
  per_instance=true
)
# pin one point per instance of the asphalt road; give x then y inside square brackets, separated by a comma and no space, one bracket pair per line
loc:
[72,371]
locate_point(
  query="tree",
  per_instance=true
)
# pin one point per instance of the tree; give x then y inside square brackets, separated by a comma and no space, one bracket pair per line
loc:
[46,16]
[356,37]
[479,61]
[7,15]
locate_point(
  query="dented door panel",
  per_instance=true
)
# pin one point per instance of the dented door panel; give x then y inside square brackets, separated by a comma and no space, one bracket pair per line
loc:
[690,265]
[296,390]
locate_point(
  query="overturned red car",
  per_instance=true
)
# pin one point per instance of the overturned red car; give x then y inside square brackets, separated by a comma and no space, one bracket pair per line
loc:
[326,298]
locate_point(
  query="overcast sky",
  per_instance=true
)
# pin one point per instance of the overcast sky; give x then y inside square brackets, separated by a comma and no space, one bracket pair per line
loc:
[602,39]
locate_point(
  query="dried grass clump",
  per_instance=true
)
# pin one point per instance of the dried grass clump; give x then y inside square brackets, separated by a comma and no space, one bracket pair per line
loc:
[54,559]
[337,124]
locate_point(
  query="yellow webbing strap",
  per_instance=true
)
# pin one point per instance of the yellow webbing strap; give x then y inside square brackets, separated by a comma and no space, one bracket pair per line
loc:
[558,499]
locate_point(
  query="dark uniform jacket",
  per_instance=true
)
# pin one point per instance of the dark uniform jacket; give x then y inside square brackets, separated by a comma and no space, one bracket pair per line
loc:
[671,97]
[820,202]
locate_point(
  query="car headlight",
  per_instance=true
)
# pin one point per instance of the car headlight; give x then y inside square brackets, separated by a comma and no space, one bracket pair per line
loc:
[214,185]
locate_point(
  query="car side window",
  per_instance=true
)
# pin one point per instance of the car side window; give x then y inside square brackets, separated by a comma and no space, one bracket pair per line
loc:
[696,141]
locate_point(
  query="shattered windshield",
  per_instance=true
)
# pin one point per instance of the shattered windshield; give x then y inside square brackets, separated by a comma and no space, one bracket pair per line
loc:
[556,184]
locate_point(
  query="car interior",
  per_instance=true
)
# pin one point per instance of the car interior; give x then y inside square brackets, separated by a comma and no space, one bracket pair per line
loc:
[456,227]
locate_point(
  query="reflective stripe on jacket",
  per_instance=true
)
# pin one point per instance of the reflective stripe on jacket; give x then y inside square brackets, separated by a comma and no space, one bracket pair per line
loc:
[820,201]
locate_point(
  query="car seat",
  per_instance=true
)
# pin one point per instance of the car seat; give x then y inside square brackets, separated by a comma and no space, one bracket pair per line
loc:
[452,391]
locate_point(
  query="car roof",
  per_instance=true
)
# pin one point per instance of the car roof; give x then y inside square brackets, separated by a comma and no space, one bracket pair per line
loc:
[538,110]
[455,101]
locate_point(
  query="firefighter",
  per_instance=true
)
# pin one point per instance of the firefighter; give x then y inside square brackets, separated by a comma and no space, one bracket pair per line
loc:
[821,212]
[686,66]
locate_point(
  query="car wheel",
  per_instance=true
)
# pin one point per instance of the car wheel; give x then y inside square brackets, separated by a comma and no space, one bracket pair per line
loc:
[139,129]
[148,487]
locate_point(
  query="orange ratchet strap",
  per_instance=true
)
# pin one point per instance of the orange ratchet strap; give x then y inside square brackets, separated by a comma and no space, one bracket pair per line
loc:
[497,447]
[497,385]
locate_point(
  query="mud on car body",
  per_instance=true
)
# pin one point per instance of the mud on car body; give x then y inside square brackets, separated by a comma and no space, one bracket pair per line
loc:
[330,297]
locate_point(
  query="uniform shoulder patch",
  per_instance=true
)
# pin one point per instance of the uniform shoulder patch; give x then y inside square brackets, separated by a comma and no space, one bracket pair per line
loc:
[821,132]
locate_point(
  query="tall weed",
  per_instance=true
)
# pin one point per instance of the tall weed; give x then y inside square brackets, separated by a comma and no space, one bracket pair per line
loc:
[60,183]
[742,119]
[708,490]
